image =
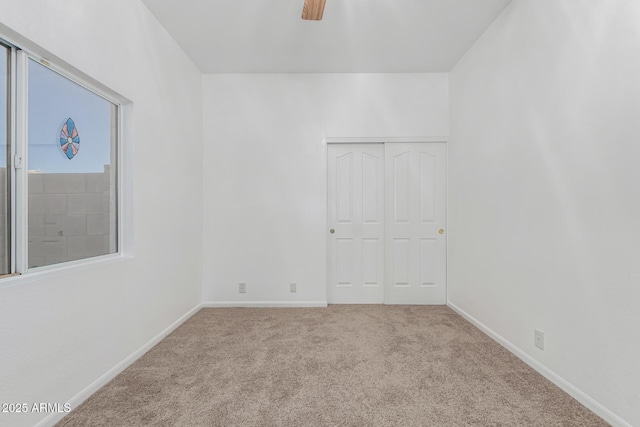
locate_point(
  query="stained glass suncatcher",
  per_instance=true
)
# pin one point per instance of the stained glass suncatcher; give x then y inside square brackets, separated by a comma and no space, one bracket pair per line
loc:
[69,139]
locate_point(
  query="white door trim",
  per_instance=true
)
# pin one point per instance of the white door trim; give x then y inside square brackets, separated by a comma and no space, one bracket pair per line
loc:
[379,140]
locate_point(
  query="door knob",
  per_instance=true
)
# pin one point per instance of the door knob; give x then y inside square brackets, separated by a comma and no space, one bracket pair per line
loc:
[332,231]
[441,231]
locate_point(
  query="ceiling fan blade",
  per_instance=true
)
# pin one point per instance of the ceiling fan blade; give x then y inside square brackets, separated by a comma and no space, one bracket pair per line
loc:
[313,10]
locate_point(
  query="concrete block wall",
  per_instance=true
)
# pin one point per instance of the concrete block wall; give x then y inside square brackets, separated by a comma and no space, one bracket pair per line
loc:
[71,216]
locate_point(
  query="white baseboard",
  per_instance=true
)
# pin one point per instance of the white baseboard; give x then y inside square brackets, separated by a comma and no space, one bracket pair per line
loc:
[565,385]
[263,304]
[75,401]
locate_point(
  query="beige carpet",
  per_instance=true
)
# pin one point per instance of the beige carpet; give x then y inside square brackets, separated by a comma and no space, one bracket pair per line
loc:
[337,366]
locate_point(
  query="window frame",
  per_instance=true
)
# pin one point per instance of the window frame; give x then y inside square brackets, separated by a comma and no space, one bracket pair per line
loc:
[11,134]
[17,163]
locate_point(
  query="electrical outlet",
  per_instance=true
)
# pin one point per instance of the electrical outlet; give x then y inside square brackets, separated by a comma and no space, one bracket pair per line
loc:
[242,288]
[292,288]
[538,339]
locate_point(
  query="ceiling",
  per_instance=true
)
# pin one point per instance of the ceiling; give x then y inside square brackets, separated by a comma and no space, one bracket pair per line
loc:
[371,36]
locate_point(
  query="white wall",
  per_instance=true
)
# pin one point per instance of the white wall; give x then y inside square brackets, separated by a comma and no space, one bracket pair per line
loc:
[60,334]
[544,190]
[265,169]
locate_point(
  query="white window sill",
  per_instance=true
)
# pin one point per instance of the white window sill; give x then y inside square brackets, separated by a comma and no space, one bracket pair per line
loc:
[62,269]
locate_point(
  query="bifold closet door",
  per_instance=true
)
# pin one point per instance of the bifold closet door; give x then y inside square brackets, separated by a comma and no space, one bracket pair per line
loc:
[356,223]
[415,211]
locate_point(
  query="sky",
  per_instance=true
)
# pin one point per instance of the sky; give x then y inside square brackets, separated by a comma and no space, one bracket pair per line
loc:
[52,100]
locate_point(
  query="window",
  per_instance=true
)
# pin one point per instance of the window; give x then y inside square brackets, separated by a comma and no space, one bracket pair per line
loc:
[4,155]
[72,170]
[58,166]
